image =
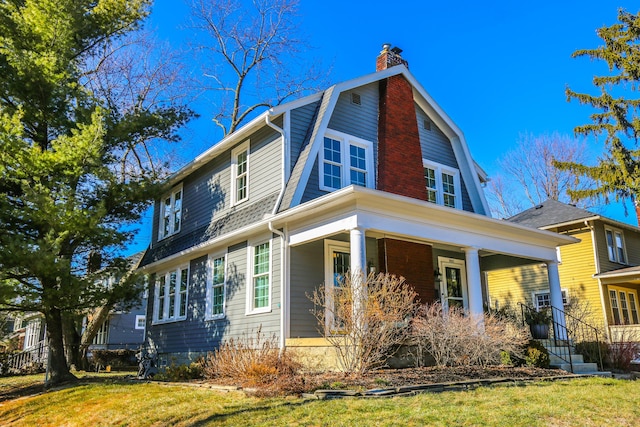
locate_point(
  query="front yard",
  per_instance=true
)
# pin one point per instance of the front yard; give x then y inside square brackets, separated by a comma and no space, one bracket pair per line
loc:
[114,402]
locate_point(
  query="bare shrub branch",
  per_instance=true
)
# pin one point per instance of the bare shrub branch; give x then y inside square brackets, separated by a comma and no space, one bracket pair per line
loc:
[365,338]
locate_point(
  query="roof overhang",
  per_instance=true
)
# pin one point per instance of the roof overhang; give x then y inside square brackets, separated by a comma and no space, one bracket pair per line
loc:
[626,275]
[380,213]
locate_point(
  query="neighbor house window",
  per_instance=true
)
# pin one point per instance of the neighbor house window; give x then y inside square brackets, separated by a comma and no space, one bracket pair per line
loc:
[102,336]
[141,321]
[260,294]
[216,280]
[443,184]
[240,173]
[615,245]
[171,213]
[345,160]
[542,299]
[170,302]
[624,306]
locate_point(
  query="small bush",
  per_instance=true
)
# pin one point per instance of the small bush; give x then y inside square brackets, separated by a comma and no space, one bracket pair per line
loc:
[192,371]
[622,353]
[590,353]
[455,338]
[253,361]
[116,358]
[536,355]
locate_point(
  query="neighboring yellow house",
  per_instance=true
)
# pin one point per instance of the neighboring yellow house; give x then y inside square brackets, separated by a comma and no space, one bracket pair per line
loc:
[603,269]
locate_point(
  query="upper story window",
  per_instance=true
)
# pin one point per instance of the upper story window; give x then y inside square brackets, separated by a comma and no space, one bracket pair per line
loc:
[216,280]
[171,213]
[615,245]
[240,173]
[443,184]
[260,278]
[345,160]
[170,300]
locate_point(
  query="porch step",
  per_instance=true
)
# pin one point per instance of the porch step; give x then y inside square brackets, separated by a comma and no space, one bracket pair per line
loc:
[556,360]
[578,368]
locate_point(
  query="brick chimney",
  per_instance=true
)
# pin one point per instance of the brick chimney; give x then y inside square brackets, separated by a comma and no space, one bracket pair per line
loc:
[400,169]
[389,57]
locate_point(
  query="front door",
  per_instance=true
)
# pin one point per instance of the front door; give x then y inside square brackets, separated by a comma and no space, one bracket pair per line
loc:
[453,285]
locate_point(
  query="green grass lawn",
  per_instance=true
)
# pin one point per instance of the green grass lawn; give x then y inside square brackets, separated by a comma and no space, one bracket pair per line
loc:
[583,402]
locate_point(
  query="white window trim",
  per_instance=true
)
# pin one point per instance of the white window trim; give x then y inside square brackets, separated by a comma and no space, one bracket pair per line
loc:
[250,310]
[439,169]
[176,308]
[175,190]
[209,294]
[140,317]
[234,173]
[329,247]
[345,141]
[565,297]
[615,231]
[627,292]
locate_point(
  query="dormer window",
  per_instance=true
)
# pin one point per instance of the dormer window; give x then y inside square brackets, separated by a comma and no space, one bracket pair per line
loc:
[345,160]
[171,213]
[443,184]
[240,174]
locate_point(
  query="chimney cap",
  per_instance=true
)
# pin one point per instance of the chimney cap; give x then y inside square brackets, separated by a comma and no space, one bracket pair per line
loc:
[386,47]
[396,50]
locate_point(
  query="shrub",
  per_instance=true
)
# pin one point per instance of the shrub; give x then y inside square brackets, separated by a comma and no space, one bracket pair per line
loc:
[174,372]
[455,338]
[368,337]
[115,358]
[536,355]
[591,351]
[252,360]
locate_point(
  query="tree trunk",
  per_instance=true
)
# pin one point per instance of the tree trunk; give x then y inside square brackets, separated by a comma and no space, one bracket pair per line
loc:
[94,322]
[58,369]
[71,339]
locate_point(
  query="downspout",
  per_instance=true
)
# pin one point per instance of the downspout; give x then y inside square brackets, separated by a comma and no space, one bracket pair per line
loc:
[284,248]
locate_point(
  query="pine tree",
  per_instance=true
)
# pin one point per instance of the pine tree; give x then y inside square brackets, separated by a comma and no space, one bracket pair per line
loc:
[617,173]
[64,193]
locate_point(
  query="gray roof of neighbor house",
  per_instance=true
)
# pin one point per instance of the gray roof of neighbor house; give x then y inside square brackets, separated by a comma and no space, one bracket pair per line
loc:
[551,212]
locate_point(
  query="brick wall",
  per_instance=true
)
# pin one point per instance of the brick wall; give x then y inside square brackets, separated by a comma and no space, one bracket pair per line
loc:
[413,261]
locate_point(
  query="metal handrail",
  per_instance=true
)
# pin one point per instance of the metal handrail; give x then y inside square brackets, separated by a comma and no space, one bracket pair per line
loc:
[564,338]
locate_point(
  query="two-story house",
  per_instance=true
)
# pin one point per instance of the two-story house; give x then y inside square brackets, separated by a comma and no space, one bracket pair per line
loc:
[601,271]
[368,175]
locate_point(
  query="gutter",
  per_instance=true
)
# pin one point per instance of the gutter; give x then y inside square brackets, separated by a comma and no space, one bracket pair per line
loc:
[284,247]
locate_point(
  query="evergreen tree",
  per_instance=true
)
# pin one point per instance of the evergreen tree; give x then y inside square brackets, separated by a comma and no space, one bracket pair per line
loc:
[65,193]
[617,172]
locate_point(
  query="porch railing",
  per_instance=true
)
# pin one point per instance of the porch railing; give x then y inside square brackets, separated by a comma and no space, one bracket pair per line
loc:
[565,335]
[32,356]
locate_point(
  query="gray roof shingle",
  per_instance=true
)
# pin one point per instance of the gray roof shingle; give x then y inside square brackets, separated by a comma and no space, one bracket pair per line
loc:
[550,212]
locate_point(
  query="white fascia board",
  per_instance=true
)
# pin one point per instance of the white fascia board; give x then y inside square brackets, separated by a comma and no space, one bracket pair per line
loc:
[324,229]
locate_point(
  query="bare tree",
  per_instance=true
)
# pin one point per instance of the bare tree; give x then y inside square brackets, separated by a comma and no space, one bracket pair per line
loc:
[530,176]
[137,76]
[252,56]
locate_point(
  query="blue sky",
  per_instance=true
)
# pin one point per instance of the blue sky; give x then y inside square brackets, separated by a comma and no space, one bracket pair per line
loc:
[498,68]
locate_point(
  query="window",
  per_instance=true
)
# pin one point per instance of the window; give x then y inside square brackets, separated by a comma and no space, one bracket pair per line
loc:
[443,185]
[337,264]
[141,321]
[102,336]
[240,173]
[171,295]
[615,245]
[171,213]
[624,306]
[216,280]
[32,334]
[345,160]
[542,299]
[260,273]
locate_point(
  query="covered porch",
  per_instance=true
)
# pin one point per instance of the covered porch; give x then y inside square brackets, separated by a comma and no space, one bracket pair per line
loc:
[442,252]
[619,290]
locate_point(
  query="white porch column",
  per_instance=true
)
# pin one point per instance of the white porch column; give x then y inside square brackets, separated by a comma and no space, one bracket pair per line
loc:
[474,283]
[358,270]
[555,296]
